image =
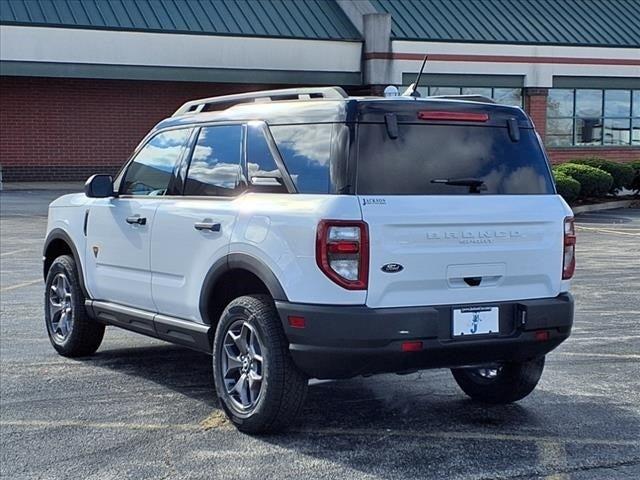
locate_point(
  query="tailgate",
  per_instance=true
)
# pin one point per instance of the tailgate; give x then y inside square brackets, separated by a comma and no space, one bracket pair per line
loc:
[463,249]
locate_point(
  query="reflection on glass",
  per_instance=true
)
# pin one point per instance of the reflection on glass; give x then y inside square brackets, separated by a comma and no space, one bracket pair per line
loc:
[305,150]
[617,103]
[422,153]
[559,132]
[616,131]
[215,162]
[483,91]
[433,91]
[508,96]
[588,103]
[635,134]
[150,171]
[588,131]
[560,103]
[636,103]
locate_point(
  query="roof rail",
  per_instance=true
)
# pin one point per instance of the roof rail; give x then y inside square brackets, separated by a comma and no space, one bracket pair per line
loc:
[197,106]
[469,98]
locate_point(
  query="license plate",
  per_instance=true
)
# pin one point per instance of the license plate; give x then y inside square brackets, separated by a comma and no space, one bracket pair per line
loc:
[475,321]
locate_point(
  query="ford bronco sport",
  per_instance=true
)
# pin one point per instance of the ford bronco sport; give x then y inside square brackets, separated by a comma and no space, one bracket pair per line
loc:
[304,233]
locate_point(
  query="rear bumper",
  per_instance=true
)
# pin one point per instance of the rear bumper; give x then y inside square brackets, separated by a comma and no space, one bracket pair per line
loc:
[345,341]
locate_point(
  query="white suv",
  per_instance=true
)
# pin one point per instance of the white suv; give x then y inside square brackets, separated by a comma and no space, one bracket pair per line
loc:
[304,233]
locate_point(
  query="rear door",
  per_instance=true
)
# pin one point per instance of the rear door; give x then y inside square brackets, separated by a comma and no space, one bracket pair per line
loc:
[458,213]
[192,231]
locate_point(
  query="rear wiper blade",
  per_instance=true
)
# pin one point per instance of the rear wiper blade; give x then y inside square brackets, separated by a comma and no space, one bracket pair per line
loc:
[475,184]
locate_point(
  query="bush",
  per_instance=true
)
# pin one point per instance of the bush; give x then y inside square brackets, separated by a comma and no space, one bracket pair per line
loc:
[568,187]
[635,184]
[593,181]
[622,174]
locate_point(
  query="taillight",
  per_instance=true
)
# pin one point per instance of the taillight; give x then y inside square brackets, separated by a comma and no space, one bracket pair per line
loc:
[342,252]
[569,256]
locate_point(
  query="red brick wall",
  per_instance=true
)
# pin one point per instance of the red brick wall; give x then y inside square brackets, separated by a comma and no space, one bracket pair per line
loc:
[624,154]
[66,129]
[535,104]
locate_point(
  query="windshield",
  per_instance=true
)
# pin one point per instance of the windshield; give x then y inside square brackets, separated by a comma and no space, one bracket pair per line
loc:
[450,160]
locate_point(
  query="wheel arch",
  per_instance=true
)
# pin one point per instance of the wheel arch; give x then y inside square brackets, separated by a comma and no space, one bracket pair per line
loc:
[58,242]
[235,275]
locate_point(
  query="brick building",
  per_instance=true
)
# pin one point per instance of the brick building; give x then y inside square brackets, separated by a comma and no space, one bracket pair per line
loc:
[81,82]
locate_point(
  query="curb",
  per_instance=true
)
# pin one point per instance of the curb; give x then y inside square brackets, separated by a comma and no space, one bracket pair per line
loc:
[596,207]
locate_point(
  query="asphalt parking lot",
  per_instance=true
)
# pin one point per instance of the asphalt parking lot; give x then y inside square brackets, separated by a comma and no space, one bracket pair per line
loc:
[141,408]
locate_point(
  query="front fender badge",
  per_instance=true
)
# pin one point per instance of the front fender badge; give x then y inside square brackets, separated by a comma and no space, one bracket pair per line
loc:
[392,268]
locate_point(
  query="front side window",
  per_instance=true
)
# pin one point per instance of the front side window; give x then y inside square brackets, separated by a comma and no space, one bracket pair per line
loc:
[215,167]
[149,173]
[588,117]
[306,151]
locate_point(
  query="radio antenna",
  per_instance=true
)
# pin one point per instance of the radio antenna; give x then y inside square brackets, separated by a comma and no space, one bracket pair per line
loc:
[415,92]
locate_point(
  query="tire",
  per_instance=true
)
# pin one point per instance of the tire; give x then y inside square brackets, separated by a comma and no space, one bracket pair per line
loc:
[250,342]
[508,383]
[71,331]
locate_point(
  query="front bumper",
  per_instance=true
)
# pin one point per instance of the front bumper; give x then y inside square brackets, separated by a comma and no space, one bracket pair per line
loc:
[345,341]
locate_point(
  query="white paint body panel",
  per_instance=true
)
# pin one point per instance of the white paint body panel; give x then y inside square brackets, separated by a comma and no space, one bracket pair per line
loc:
[514,243]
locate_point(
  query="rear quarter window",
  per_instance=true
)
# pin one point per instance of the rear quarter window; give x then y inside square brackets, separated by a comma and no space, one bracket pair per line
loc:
[306,151]
[422,153]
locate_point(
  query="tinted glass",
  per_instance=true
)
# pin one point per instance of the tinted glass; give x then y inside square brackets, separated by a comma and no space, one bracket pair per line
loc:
[260,161]
[484,91]
[635,134]
[617,103]
[588,103]
[422,153]
[617,131]
[559,132]
[444,91]
[150,171]
[636,103]
[508,96]
[560,103]
[306,150]
[215,163]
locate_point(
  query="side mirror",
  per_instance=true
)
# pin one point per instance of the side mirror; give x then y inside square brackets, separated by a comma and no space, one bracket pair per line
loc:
[99,186]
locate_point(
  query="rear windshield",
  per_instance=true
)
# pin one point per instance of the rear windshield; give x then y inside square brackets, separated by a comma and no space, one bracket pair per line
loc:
[435,159]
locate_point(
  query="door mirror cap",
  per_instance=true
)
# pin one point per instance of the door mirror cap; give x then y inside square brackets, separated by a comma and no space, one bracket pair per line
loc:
[99,186]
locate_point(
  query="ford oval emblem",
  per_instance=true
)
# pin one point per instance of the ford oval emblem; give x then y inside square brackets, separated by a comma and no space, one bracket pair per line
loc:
[392,268]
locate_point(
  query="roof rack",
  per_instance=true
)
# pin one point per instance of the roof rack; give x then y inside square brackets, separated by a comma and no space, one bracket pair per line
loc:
[469,98]
[226,101]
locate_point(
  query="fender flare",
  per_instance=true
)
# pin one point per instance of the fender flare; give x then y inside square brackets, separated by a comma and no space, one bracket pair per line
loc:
[239,261]
[60,234]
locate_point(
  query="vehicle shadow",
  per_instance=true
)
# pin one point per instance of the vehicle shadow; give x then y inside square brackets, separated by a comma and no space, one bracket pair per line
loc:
[414,426]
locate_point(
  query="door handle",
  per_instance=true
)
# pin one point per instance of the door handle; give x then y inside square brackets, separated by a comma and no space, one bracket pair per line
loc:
[208,225]
[136,220]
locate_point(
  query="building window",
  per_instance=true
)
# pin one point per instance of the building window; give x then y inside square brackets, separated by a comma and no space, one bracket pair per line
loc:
[506,96]
[593,117]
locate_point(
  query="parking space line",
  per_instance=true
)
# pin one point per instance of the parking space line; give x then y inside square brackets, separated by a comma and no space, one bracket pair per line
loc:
[20,285]
[630,356]
[553,456]
[442,435]
[607,230]
[6,254]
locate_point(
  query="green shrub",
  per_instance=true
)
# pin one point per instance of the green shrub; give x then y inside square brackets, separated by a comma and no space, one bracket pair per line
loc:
[622,174]
[566,186]
[635,184]
[593,181]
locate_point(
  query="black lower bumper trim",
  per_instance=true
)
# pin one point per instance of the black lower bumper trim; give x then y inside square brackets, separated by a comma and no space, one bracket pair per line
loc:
[345,341]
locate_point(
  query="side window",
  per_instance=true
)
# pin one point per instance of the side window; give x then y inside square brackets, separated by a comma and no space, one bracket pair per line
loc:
[306,151]
[264,174]
[215,167]
[150,171]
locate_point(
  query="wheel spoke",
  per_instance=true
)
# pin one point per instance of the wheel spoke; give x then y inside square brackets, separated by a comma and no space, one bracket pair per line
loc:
[233,364]
[241,388]
[238,341]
